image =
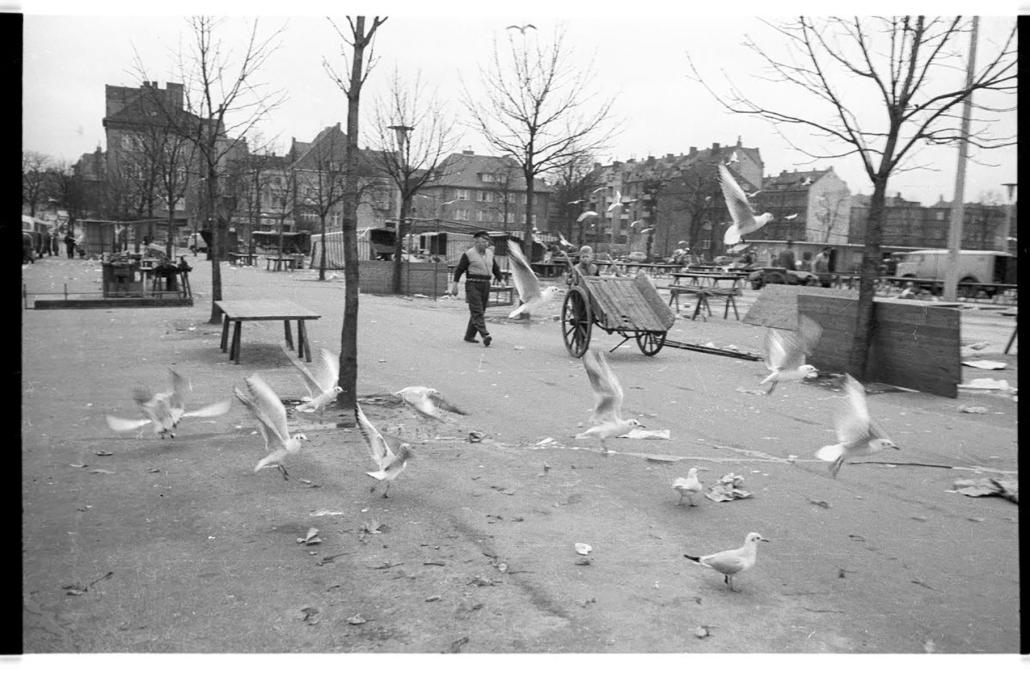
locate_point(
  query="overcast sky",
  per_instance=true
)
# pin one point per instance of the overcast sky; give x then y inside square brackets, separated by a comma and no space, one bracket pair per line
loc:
[639,58]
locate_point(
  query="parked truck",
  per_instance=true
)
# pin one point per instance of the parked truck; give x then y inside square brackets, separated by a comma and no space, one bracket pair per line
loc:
[974,267]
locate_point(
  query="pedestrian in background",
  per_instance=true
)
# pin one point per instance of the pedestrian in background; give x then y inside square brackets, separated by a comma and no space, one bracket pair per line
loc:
[787,259]
[479,266]
[821,267]
[69,243]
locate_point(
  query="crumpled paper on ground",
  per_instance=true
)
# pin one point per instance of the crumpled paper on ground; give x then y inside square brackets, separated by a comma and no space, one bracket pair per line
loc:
[988,384]
[728,489]
[984,364]
[986,487]
[641,434]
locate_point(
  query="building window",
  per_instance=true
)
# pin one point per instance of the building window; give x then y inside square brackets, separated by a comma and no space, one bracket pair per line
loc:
[488,177]
[461,214]
[486,196]
[463,194]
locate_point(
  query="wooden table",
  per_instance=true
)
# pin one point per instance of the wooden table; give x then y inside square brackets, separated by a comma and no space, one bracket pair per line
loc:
[239,311]
[247,258]
[705,285]
[548,270]
[281,261]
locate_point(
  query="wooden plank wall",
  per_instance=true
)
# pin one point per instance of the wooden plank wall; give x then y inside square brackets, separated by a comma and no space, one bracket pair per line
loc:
[913,346]
[777,305]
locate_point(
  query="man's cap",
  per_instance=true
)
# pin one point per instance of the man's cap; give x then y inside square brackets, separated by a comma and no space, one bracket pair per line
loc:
[481,233]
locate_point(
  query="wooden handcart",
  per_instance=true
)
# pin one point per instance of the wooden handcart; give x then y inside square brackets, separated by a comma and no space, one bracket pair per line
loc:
[628,306]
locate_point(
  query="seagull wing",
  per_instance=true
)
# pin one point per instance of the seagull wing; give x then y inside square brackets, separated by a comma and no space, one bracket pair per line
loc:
[215,409]
[736,201]
[310,382]
[606,386]
[377,447]
[852,423]
[782,350]
[586,214]
[180,386]
[328,370]
[119,424]
[525,280]
[726,562]
[441,403]
[267,408]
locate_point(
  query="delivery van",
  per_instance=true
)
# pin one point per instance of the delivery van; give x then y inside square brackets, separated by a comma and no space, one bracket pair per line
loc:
[974,267]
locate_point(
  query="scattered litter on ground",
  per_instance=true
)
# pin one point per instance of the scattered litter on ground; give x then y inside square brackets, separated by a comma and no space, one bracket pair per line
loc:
[481,581]
[986,487]
[987,384]
[356,619]
[310,538]
[966,409]
[583,549]
[819,502]
[984,364]
[702,631]
[583,561]
[310,615]
[325,511]
[728,489]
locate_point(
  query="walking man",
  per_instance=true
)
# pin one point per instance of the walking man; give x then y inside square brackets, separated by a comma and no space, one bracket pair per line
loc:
[479,266]
[69,243]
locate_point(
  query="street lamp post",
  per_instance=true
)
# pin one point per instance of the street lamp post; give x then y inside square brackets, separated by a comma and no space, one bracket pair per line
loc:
[402,185]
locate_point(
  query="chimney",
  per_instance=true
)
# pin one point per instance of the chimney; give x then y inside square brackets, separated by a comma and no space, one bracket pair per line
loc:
[715,147]
[650,158]
[693,150]
[174,95]
[469,152]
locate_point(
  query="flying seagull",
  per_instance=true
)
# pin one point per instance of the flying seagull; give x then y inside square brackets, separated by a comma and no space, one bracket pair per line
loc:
[790,217]
[857,435]
[688,486]
[733,158]
[733,561]
[744,219]
[785,352]
[389,465]
[585,215]
[270,413]
[427,403]
[564,242]
[576,202]
[165,410]
[806,181]
[521,29]
[607,401]
[321,384]
[526,283]
[616,202]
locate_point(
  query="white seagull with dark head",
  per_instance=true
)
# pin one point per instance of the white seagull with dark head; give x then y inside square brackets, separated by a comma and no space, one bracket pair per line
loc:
[744,219]
[688,486]
[427,403]
[270,413]
[733,561]
[530,292]
[389,465]
[786,351]
[857,435]
[607,415]
[321,383]
[165,410]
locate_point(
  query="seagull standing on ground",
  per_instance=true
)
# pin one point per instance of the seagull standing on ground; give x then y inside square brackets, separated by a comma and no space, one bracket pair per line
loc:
[688,486]
[427,403]
[733,561]
[744,219]
[857,435]
[608,401]
[166,409]
[530,292]
[270,413]
[389,464]
[785,352]
[321,384]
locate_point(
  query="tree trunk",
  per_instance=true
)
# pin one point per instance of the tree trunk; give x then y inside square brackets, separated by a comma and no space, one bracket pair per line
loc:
[527,232]
[867,283]
[321,259]
[215,250]
[398,247]
[349,333]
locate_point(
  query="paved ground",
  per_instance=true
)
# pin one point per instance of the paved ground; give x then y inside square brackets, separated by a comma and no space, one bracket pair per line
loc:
[149,545]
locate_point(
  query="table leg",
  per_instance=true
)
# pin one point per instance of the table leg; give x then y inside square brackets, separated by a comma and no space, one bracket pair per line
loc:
[288,333]
[225,331]
[1012,339]
[674,298]
[303,349]
[237,331]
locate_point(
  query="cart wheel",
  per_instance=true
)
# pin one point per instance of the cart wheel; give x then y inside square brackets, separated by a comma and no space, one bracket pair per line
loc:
[651,342]
[576,322]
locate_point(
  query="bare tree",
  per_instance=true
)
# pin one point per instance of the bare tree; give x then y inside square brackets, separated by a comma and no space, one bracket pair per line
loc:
[538,109]
[829,212]
[33,179]
[411,122]
[255,176]
[573,182]
[359,39]
[225,103]
[320,180]
[836,66]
